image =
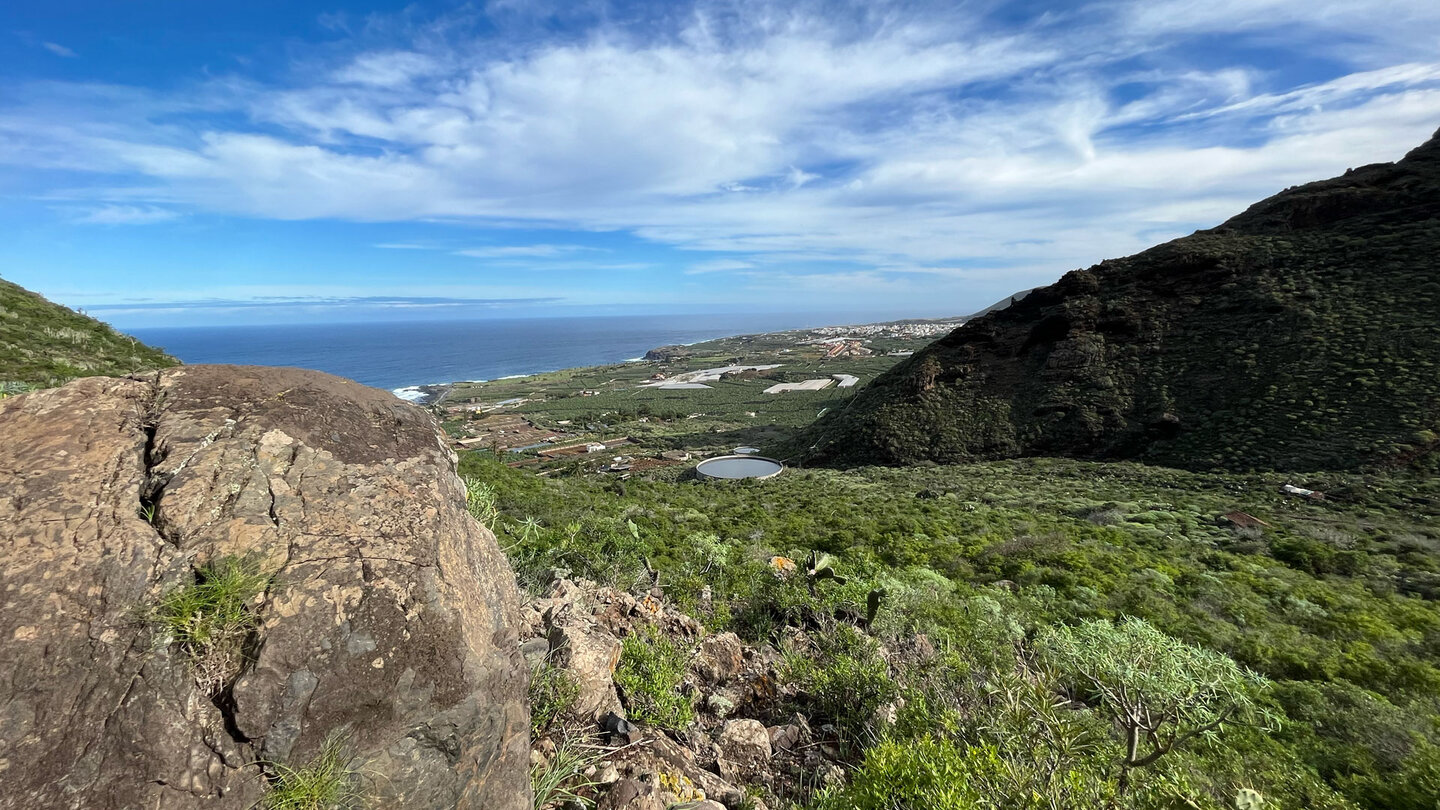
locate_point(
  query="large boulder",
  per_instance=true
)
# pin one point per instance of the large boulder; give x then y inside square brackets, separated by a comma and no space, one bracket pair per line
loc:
[390,621]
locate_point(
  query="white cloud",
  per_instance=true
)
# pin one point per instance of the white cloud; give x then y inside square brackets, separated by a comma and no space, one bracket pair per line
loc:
[927,147]
[720,266]
[387,69]
[59,50]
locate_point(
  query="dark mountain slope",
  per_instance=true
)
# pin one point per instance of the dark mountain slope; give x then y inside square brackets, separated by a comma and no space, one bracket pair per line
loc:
[1303,333]
[44,343]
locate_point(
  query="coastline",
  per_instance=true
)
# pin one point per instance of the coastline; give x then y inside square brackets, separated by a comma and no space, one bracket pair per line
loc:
[426,394]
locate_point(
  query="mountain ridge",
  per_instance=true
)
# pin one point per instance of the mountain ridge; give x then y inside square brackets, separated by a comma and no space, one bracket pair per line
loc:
[1254,344]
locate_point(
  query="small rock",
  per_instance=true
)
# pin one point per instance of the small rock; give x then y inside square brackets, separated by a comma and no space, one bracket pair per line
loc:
[745,740]
[589,656]
[782,566]
[719,658]
[670,756]
[745,747]
[565,590]
[790,736]
[535,651]
[618,729]
[887,714]
[630,794]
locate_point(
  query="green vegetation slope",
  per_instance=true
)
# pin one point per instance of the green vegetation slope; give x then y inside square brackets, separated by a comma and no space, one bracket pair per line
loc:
[1300,334]
[980,569]
[42,343]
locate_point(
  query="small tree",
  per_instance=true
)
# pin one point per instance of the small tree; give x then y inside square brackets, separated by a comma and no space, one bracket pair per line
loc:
[1160,692]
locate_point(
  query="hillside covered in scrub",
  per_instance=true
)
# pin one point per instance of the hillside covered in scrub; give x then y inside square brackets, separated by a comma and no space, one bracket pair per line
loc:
[1300,334]
[943,638]
[43,343]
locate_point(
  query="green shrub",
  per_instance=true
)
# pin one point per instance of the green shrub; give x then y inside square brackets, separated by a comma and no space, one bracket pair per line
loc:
[1160,692]
[649,676]
[923,775]
[480,500]
[609,551]
[844,678]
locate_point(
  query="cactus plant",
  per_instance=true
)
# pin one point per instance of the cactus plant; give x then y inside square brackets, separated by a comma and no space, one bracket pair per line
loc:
[872,604]
[822,566]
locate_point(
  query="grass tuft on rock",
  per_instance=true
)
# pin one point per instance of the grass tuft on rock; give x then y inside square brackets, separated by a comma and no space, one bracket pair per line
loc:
[552,692]
[326,782]
[211,619]
[560,780]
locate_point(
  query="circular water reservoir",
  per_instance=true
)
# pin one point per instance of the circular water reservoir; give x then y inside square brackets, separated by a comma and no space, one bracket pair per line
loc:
[735,467]
[745,450]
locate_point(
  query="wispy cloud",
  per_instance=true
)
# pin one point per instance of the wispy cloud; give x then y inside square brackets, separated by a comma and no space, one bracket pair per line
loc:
[720,266]
[319,302]
[122,215]
[392,69]
[523,251]
[59,50]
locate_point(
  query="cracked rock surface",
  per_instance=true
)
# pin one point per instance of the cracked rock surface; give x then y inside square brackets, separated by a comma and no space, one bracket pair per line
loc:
[392,616]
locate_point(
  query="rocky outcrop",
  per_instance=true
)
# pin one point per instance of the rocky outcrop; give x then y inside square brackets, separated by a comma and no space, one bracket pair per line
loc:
[745,741]
[668,354]
[389,621]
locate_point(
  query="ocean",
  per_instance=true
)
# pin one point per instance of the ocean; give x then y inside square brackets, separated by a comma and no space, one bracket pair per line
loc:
[396,355]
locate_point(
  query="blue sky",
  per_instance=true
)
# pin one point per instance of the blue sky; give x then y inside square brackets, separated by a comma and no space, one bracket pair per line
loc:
[178,162]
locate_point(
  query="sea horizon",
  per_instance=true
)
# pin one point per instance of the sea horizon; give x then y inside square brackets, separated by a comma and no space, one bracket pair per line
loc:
[400,355]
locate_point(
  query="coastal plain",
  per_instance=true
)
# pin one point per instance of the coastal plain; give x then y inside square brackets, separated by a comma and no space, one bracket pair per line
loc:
[706,398]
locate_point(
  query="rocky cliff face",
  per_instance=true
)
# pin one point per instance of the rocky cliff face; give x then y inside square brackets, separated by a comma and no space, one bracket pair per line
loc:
[387,621]
[1297,335]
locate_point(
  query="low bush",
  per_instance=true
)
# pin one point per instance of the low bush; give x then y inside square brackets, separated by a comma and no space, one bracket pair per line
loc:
[649,676]
[844,680]
[923,775]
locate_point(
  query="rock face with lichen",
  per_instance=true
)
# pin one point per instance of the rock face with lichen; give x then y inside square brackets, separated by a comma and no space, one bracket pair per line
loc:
[390,619]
